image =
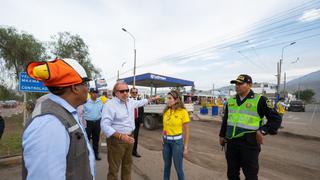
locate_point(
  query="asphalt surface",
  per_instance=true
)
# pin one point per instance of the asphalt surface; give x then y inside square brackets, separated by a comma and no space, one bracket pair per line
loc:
[292,154]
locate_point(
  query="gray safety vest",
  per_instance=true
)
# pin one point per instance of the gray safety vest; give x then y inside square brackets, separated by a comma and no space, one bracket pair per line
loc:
[78,165]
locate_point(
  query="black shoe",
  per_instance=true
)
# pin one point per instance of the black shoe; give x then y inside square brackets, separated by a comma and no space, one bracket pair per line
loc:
[136,155]
[98,158]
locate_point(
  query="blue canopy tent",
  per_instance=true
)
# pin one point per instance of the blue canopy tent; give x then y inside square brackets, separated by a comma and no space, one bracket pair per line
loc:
[157,81]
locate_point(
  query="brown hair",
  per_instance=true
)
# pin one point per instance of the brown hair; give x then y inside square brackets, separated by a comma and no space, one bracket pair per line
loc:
[176,96]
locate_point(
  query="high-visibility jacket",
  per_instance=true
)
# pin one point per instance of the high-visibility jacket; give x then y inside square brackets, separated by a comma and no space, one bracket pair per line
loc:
[244,118]
[280,108]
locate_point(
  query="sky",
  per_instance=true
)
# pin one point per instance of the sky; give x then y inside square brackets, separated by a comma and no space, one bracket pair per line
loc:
[205,41]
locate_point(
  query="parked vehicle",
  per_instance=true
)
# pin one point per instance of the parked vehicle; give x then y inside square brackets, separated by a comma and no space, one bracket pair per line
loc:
[153,112]
[9,104]
[297,106]
[153,115]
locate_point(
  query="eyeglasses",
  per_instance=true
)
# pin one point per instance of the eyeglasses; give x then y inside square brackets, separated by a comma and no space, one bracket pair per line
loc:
[85,83]
[123,91]
[134,92]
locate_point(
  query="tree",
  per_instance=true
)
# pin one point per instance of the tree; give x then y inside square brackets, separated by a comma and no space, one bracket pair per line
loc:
[8,94]
[66,45]
[18,49]
[305,95]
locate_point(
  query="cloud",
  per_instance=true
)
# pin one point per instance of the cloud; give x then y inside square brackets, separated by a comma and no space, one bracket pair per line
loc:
[162,28]
[310,15]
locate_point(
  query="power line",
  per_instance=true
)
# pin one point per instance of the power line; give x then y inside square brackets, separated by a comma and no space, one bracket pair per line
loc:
[257,32]
[226,43]
[297,9]
[252,62]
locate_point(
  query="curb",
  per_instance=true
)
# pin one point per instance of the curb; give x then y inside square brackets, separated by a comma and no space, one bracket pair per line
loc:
[207,118]
[199,117]
[10,161]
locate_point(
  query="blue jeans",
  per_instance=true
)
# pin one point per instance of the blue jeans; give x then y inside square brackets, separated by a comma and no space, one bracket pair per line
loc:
[173,149]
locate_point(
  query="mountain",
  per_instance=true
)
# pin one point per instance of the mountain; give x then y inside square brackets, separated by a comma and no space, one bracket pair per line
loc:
[309,81]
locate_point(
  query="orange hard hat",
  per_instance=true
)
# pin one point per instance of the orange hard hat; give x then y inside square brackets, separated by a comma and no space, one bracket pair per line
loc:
[58,72]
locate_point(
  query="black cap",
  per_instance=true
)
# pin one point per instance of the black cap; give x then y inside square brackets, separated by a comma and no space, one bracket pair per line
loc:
[242,78]
[93,90]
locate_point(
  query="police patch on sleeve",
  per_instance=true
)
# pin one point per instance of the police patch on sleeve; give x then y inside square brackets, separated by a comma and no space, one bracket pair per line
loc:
[269,104]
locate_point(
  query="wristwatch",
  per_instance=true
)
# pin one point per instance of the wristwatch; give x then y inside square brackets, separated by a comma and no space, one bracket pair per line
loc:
[263,132]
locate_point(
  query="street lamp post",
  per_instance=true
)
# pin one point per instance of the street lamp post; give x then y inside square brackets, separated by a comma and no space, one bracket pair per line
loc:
[135,54]
[118,72]
[280,66]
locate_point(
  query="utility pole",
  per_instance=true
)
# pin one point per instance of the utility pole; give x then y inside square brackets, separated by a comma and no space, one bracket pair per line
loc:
[213,90]
[134,57]
[24,108]
[278,79]
[279,66]
[299,90]
[284,84]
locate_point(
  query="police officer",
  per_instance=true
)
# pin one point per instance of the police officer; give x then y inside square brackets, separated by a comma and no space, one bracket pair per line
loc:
[243,128]
[54,143]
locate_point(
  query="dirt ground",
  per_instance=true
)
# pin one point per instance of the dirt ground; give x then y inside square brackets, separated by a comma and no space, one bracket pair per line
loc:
[292,154]
[284,156]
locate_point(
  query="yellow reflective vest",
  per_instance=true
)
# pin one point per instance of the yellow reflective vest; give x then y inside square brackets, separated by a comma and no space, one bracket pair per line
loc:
[244,118]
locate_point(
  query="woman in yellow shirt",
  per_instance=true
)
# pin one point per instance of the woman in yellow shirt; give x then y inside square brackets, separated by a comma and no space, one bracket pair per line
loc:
[175,135]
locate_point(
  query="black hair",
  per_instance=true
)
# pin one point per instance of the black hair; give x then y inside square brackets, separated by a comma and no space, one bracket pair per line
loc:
[58,90]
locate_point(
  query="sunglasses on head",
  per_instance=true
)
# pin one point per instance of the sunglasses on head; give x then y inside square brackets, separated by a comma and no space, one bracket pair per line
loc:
[174,95]
[124,90]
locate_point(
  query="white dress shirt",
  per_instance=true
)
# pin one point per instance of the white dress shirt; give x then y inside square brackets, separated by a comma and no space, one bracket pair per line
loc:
[118,115]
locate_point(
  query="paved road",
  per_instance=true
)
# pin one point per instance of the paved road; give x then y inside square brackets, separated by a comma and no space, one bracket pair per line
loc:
[285,156]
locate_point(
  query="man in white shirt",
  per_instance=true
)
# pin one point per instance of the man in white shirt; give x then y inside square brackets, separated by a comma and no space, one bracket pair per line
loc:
[118,124]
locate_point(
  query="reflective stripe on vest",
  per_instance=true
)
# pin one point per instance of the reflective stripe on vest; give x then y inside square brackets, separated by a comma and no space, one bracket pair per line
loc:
[244,118]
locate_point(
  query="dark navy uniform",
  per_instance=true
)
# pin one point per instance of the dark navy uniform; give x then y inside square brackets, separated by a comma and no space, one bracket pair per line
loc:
[243,152]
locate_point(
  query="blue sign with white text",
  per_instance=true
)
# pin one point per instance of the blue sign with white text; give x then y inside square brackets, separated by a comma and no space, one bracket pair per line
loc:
[27,84]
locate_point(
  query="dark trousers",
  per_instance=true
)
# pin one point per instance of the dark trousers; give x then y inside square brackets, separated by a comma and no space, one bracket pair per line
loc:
[1,126]
[136,135]
[243,153]
[93,131]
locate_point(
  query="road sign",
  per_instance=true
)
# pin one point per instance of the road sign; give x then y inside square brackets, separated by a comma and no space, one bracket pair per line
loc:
[27,84]
[101,83]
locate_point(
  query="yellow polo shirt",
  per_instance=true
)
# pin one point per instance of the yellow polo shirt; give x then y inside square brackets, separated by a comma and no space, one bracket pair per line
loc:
[103,99]
[173,121]
[280,108]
